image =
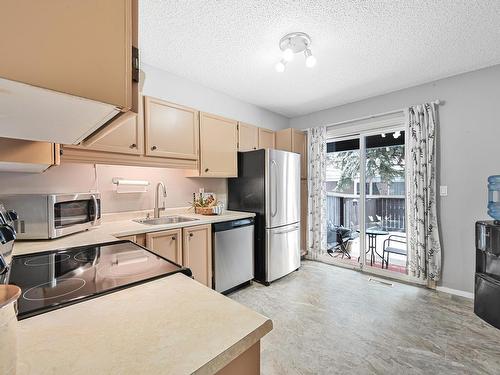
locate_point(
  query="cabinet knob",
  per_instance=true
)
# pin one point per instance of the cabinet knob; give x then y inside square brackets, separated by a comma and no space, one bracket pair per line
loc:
[255,148]
[133,145]
[173,238]
[190,234]
[153,148]
[206,169]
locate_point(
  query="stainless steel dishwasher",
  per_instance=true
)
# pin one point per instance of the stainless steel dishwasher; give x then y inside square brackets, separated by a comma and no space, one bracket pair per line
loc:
[233,249]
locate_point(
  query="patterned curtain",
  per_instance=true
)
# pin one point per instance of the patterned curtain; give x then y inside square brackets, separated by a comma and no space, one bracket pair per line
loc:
[317,191]
[424,251]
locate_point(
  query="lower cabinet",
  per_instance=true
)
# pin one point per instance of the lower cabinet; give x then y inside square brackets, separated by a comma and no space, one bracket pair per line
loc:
[197,252]
[167,244]
[247,363]
[139,239]
[190,247]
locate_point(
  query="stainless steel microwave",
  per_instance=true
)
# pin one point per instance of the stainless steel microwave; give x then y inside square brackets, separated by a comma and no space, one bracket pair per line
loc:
[46,216]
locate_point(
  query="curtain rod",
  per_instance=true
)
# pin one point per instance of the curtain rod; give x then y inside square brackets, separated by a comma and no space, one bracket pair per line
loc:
[436,102]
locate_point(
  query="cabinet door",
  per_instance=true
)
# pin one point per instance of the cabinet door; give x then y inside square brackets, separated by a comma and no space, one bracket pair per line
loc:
[124,135]
[197,252]
[83,48]
[299,145]
[283,139]
[248,137]
[139,239]
[171,130]
[266,138]
[18,155]
[294,140]
[218,146]
[166,243]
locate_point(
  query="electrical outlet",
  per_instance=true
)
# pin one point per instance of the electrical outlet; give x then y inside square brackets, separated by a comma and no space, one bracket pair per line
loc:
[443,191]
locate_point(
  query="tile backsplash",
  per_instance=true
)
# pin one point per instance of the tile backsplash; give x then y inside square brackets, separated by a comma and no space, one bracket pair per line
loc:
[69,178]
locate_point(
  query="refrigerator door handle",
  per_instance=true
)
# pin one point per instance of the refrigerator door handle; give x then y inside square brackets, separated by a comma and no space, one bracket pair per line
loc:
[274,201]
[288,230]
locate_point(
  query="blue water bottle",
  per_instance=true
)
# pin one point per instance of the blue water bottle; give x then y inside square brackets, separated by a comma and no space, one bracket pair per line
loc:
[494,198]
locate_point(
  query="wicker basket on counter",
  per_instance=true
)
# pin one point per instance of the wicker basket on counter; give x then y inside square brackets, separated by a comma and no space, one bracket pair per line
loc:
[204,210]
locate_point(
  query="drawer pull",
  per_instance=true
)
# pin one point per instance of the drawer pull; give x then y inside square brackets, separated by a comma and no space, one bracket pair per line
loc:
[173,238]
[153,148]
[206,169]
[133,145]
[190,234]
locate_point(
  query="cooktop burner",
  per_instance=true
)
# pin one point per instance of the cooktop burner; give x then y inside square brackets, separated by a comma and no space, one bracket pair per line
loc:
[59,278]
[35,261]
[54,289]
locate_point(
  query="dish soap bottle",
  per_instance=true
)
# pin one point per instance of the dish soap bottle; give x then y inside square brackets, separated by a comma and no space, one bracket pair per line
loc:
[494,198]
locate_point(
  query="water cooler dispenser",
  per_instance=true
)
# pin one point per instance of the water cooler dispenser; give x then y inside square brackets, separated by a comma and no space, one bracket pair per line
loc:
[487,288]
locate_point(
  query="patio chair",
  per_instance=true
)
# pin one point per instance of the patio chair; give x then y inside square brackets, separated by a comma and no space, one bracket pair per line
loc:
[372,223]
[338,238]
[389,248]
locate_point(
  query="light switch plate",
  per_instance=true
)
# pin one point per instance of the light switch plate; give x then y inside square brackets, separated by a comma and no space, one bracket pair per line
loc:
[443,191]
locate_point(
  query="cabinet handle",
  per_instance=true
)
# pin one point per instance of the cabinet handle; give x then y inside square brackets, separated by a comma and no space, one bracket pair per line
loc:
[133,145]
[190,234]
[173,238]
[206,169]
[153,148]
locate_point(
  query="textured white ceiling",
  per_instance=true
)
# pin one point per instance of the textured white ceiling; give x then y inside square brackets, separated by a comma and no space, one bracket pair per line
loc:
[364,48]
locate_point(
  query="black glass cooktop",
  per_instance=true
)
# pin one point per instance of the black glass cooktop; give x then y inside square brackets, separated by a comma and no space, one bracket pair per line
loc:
[59,278]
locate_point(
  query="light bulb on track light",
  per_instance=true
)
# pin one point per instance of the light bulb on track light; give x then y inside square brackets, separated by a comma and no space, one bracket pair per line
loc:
[280,66]
[288,55]
[310,59]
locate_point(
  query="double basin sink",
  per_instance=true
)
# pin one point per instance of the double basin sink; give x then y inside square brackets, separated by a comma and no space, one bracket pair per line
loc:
[165,220]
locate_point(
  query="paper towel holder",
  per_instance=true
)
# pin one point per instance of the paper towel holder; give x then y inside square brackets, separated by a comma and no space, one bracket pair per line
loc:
[124,185]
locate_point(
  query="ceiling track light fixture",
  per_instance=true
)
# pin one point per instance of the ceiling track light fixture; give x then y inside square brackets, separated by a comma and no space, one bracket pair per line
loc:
[292,44]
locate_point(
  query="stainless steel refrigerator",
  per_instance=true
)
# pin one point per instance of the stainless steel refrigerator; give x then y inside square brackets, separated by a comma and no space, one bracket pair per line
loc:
[268,184]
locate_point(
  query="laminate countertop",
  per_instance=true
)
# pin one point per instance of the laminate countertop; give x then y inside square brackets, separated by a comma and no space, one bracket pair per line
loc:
[173,325]
[122,224]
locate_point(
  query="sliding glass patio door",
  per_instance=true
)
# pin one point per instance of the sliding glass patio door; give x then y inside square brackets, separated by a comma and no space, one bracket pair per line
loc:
[343,201]
[366,202]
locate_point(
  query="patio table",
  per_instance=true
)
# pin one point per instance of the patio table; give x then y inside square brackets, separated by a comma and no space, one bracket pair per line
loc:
[372,242]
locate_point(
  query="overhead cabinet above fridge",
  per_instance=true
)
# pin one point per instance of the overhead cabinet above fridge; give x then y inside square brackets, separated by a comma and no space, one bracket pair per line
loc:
[67,67]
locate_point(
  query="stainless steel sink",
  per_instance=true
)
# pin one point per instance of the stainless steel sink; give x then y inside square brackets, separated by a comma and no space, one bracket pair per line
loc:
[165,220]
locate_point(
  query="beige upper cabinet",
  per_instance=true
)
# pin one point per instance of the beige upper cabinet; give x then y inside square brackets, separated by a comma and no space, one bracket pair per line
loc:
[218,146]
[124,135]
[248,137]
[299,145]
[283,139]
[294,140]
[266,138]
[197,252]
[82,48]
[18,155]
[167,244]
[171,130]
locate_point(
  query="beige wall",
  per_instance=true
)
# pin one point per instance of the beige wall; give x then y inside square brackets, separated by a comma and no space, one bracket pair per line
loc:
[84,177]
